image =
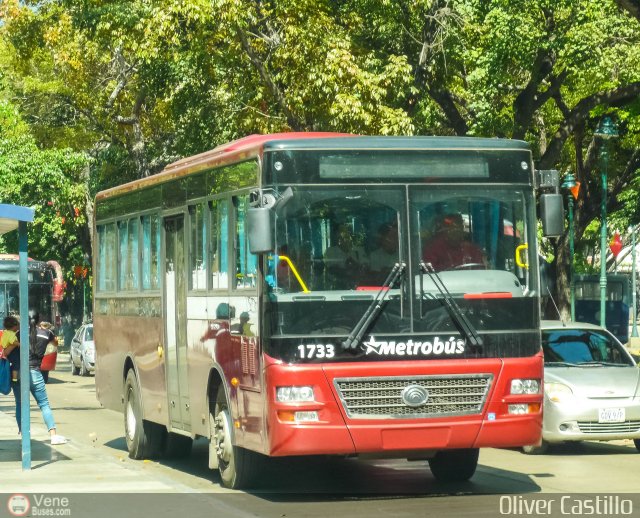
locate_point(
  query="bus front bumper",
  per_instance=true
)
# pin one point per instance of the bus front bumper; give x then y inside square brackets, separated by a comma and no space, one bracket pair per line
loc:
[330,431]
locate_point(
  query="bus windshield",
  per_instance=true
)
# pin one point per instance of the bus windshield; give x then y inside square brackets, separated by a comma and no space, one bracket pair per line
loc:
[335,246]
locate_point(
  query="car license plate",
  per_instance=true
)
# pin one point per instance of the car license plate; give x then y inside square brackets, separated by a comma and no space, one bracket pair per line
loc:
[611,415]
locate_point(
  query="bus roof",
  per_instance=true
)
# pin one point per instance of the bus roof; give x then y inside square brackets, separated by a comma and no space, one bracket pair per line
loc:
[255,145]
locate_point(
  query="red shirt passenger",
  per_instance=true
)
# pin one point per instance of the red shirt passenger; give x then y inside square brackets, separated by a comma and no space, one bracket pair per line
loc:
[449,249]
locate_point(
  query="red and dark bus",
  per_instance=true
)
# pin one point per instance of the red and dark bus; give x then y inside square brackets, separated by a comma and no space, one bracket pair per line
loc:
[242,295]
[46,289]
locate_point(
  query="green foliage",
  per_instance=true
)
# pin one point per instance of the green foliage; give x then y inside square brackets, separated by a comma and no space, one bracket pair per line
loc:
[50,181]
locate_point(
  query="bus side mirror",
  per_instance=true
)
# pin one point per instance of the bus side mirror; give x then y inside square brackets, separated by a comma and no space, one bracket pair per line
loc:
[259,230]
[552,214]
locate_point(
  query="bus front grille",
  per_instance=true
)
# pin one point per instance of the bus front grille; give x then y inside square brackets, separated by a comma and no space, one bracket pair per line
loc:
[389,397]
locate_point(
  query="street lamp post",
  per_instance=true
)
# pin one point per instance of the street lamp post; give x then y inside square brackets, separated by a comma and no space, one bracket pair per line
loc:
[569,183]
[606,131]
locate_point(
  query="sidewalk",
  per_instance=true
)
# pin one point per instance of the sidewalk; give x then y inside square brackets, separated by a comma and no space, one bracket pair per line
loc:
[69,468]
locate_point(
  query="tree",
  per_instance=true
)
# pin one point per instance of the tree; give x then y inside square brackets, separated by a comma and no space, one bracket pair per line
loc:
[50,182]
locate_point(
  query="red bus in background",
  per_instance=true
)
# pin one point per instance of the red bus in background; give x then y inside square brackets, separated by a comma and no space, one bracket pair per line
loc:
[272,296]
[46,289]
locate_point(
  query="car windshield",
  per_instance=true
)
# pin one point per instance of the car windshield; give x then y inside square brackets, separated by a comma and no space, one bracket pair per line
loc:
[582,347]
[88,334]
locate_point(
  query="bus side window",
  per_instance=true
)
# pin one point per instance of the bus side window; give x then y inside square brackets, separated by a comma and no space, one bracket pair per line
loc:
[245,261]
[150,252]
[219,244]
[197,248]
[128,250]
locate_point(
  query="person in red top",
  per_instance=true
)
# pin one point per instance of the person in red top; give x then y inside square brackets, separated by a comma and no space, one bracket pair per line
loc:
[449,249]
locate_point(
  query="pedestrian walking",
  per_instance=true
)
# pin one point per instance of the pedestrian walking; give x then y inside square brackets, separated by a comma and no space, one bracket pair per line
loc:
[39,337]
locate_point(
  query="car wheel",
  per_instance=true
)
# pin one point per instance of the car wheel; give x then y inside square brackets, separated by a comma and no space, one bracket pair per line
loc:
[238,467]
[144,439]
[536,450]
[45,376]
[454,465]
[177,446]
[637,443]
[83,368]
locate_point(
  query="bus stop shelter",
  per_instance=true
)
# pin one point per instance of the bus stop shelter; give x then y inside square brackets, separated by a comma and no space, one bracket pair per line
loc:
[14,217]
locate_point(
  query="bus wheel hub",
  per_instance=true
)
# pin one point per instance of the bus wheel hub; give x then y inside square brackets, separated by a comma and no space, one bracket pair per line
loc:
[222,437]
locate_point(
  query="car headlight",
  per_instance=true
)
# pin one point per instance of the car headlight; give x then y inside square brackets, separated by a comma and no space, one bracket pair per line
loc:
[525,386]
[558,392]
[294,394]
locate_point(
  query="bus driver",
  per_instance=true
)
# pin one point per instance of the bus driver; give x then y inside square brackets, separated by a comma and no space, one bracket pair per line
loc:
[449,249]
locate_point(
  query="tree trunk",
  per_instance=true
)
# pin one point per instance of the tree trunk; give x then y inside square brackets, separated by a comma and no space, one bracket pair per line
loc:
[563,277]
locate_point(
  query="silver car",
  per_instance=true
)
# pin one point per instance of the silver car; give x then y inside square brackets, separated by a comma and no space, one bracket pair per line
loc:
[591,386]
[83,351]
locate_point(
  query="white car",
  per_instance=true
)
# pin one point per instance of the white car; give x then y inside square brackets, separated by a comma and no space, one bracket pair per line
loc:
[83,351]
[591,386]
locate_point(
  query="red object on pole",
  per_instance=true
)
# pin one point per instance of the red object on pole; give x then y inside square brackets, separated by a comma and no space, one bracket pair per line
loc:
[575,190]
[616,245]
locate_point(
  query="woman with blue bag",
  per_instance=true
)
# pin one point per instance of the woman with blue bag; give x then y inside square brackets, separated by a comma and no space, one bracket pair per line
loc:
[38,340]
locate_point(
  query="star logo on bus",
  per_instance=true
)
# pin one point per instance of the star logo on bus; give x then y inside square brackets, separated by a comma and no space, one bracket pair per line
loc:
[371,345]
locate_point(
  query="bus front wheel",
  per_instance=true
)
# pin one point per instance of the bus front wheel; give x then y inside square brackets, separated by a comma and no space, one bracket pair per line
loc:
[454,465]
[144,438]
[237,466]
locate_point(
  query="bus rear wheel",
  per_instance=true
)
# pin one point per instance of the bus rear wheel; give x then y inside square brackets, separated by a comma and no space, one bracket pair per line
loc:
[238,467]
[144,438]
[637,443]
[454,465]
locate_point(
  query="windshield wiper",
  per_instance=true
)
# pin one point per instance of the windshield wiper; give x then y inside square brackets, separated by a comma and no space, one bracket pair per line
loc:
[374,308]
[459,318]
[561,364]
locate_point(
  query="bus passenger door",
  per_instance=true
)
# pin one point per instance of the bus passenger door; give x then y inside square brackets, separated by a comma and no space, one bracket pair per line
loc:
[175,301]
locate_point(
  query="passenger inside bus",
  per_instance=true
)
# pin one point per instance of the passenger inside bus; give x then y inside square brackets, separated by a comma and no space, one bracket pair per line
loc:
[450,249]
[385,256]
[344,258]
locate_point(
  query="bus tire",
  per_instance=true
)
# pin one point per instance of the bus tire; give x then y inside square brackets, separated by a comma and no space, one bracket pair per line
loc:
[144,439]
[637,443]
[238,467]
[454,465]
[177,446]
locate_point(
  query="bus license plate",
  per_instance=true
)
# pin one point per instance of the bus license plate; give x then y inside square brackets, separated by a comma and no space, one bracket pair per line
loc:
[611,415]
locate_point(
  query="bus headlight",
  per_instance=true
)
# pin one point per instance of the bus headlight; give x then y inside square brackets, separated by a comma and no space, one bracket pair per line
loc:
[557,392]
[525,386]
[294,394]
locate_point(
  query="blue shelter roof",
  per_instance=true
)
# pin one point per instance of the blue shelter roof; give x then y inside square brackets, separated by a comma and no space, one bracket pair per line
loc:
[11,215]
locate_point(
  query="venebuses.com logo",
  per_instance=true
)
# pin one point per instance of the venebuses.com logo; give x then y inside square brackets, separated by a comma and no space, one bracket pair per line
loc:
[38,505]
[18,505]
